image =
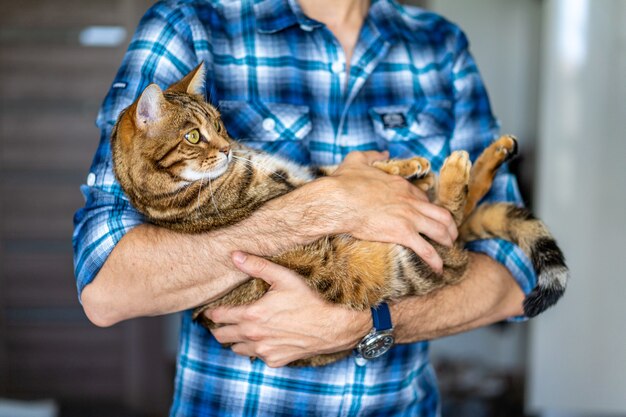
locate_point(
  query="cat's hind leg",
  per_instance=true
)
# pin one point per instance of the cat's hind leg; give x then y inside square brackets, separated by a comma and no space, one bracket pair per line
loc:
[454,184]
[485,168]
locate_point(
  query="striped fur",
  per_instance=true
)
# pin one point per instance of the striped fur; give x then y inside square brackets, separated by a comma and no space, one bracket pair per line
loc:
[519,226]
[218,182]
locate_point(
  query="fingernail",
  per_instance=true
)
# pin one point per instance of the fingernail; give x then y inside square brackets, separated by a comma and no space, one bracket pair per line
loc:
[240,257]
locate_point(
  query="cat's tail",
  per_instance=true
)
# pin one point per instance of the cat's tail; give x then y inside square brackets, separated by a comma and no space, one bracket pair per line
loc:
[519,226]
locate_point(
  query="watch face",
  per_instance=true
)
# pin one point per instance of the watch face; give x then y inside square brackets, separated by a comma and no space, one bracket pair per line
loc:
[377,345]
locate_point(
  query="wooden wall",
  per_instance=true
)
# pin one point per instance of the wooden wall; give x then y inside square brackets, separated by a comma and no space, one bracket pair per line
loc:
[50,91]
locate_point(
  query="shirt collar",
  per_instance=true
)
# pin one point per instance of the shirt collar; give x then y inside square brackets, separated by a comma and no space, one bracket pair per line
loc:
[386,18]
[276,15]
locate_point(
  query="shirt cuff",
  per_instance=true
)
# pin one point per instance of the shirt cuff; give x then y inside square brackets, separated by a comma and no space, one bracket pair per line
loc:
[513,258]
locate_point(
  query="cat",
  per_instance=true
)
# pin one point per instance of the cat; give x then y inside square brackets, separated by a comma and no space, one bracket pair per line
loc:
[172,155]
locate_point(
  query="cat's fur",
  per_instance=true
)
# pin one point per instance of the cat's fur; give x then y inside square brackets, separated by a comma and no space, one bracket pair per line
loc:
[198,187]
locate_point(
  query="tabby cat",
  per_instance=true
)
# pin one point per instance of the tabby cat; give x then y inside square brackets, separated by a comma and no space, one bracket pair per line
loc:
[175,161]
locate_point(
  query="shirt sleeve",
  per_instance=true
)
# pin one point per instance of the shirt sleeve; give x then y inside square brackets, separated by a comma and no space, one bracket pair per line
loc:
[474,130]
[161,51]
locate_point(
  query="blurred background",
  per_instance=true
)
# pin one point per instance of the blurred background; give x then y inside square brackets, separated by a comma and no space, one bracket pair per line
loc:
[556,73]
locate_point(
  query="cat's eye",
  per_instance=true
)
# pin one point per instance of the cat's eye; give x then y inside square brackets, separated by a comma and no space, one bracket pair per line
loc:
[217,125]
[193,136]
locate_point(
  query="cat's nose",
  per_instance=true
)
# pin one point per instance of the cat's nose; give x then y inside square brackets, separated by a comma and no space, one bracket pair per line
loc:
[225,150]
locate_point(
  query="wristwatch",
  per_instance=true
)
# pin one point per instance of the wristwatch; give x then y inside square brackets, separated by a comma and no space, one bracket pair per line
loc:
[380,339]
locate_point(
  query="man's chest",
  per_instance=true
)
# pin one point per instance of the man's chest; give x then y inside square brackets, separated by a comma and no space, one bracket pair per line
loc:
[295,97]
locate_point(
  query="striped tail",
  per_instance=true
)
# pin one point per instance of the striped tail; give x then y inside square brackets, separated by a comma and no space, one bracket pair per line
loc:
[519,226]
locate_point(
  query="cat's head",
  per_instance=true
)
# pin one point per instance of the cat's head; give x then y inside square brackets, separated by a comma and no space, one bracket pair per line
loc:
[167,140]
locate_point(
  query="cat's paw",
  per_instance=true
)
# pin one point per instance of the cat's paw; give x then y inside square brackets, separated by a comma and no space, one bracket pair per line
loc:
[505,147]
[454,184]
[456,169]
[410,169]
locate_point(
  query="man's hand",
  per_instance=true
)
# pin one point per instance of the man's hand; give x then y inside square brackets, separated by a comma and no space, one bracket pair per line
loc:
[387,208]
[288,323]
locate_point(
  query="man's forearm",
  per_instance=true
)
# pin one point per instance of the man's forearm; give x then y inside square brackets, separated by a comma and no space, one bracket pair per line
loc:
[488,294]
[154,271]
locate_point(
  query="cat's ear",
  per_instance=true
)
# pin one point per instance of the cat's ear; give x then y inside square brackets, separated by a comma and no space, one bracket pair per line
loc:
[149,105]
[192,83]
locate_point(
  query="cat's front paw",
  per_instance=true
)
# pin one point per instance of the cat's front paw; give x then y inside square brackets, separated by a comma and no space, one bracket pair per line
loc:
[410,169]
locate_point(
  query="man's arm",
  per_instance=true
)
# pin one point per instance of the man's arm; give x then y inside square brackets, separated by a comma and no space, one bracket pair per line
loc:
[153,271]
[278,328]
[488,294]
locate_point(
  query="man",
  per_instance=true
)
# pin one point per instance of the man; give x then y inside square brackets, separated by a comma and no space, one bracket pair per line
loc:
[312,80]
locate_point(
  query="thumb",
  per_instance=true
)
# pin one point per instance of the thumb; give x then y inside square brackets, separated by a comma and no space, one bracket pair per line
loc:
[257,267]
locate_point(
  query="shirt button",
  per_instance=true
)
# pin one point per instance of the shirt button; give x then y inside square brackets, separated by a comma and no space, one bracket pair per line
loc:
[360,361]
[307,28]
[337,67]
[269,124]
[91,179]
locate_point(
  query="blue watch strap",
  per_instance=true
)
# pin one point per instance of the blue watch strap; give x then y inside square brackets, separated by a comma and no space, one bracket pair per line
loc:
[381,317]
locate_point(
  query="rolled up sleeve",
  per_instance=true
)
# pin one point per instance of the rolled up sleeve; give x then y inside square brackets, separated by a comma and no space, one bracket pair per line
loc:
[161,51]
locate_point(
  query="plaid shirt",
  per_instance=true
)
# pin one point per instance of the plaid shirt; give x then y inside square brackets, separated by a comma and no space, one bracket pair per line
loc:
[279,79]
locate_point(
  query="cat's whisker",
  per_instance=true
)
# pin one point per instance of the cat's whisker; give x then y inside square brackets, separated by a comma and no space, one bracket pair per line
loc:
[178,193]
[249,165]
[217,211]
[243,151]
[213,199]
[246,162]
[263,169]
[200,188]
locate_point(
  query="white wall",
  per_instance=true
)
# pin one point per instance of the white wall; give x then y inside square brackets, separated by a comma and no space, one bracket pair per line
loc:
[504,38]
[578,350]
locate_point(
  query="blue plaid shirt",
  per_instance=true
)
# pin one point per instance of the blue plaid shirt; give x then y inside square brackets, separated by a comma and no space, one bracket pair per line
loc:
[279,79]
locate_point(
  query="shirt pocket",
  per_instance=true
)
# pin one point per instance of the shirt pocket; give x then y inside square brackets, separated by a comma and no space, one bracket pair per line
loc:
[422,128]
[265,122]
[423,119]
